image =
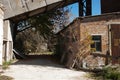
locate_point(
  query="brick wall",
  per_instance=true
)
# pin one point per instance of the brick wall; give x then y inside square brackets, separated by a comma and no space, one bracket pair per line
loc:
[91,25]
[68,42]
[98,25]
[95,28]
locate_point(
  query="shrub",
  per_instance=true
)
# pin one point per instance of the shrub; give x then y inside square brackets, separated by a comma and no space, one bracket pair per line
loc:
[108,73]
[3,77]
[111,73]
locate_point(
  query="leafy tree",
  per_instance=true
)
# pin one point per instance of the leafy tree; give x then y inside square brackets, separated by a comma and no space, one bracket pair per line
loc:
[40,29]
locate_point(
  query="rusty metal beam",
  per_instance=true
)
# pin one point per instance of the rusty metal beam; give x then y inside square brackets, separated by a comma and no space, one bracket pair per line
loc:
[80,8]
[88,7]
[85,8]
[109,6]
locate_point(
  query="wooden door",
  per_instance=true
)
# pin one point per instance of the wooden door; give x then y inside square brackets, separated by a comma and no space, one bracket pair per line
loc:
[115,43]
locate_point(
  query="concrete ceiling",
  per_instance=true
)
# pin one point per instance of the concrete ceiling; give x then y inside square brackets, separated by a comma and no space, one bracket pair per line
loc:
[22,9]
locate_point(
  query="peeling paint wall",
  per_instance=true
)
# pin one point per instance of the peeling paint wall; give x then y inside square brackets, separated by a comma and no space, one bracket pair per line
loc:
[27,8]
[1,33]
[7,41]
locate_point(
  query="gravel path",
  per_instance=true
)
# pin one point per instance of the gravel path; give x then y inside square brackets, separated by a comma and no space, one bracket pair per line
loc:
[43,69]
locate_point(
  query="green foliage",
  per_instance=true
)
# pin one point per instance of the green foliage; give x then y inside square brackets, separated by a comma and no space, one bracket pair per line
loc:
[111,73]
[47,22]
[42,24]
[108,73]
[29,40]
[3,77]
[6,64]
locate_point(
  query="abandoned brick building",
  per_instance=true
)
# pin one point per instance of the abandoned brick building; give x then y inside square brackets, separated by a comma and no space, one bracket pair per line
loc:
[104,36]
[92,41]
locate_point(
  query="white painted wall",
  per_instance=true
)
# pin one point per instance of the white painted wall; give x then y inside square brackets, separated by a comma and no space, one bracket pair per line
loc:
[8,40]
[9,33]
[1,34]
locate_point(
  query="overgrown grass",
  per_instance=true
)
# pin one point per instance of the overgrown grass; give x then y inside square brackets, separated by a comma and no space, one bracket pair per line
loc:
[6,64]
[109,73]
[42,53]
[3,77]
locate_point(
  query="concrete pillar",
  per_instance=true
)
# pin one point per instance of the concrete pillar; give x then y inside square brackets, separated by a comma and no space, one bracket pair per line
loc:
[8,41]
[1,33]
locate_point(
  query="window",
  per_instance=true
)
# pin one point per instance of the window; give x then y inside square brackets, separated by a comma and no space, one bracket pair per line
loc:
[96,43]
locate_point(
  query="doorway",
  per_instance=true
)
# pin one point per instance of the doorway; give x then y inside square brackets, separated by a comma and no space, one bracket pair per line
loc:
[115,43]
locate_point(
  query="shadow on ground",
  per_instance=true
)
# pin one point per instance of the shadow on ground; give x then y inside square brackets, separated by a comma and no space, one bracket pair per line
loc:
[42,60]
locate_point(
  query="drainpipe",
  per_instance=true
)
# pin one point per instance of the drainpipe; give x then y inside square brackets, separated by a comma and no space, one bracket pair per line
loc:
[109,38]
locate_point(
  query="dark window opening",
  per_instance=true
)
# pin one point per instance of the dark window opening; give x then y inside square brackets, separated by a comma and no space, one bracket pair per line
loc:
[96,45]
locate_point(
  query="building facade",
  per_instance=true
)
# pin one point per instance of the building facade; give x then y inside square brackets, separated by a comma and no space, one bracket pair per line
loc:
[1,32]
[91,42]
[6,42]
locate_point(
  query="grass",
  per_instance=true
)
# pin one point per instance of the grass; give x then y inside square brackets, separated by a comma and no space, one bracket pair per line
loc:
[6,64]
[109,73]
[42,53]
[3,77]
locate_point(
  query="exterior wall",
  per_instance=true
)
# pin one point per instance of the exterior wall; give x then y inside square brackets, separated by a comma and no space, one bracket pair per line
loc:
[7,42]
[99,25]
[88,26]
[95,28]
[1,33]
[68,42]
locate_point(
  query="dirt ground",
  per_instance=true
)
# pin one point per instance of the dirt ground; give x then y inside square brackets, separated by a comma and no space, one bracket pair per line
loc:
[43,68]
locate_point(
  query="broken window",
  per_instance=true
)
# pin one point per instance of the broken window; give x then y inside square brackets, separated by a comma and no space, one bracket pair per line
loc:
[96,45]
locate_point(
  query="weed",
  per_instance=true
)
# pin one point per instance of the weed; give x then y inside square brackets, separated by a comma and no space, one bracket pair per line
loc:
[6,64]
[3,77]
[108,73]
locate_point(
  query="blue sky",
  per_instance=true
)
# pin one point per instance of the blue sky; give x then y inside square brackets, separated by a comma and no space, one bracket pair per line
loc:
[95,8]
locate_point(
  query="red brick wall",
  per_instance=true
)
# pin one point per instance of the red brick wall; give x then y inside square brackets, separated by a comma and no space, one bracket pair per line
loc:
[97,25]
[68,43]
[92,25]
[95,28]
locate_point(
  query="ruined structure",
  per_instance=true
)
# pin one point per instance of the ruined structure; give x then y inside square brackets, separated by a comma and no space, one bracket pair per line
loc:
[1,31]
[5,38]
[18,10]
[96,26]
[7,41]
[103,30]
[22,9]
